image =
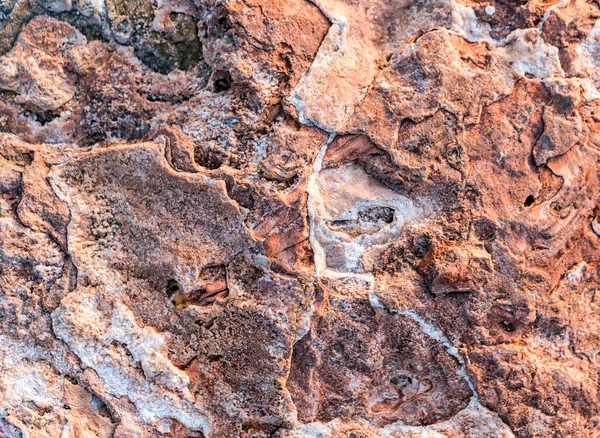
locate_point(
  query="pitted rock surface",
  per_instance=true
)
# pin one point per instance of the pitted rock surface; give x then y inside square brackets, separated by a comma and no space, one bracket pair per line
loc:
[328,218]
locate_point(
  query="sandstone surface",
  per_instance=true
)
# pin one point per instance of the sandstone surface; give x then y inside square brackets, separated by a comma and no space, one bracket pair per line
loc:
[299,218]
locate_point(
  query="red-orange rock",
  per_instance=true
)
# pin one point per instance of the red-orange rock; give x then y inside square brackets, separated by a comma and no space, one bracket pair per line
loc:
[325,218]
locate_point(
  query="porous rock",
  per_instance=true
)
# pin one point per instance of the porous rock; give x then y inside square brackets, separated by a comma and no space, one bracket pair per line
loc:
[328,218]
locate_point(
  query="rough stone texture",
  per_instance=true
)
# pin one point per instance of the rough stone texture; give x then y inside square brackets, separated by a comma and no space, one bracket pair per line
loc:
[328,218]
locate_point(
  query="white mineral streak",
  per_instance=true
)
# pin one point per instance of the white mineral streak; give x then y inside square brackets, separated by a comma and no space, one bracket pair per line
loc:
[131,360]
[466,24]
[529,54]
[28,383]
[349,59]
[589,49]
[430,330]
[488,423]
[23,381]
[339,199]
[588,61]
[337,80]
[474,421]
[337,194]
[313,192]
[313,97]
[148,348]
[304,323]
[524,49]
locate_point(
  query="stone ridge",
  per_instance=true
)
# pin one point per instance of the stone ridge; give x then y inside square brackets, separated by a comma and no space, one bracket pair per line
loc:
[328,218]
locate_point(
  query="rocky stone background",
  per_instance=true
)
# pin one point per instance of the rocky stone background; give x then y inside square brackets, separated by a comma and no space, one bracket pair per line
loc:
[293,218]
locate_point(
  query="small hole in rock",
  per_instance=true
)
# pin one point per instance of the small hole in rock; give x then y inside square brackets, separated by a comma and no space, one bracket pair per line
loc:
[222,81]
[507,326]
[214,358]
[377,215]
[421,245]
[44,117]
[100,407]
[223,24]
[401,381]
[211,158]
[172,288]
[529,201]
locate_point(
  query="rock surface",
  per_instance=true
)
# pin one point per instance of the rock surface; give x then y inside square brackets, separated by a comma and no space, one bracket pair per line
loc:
[328,218]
